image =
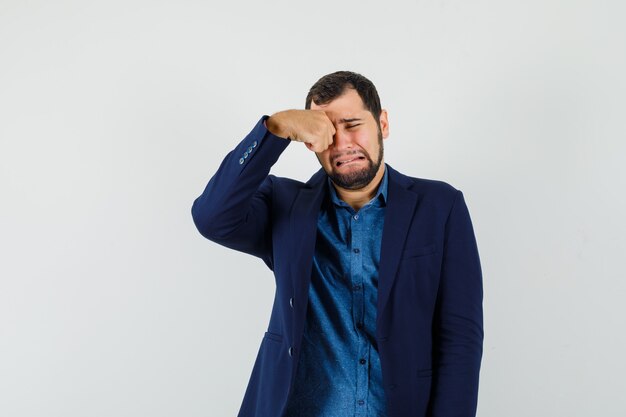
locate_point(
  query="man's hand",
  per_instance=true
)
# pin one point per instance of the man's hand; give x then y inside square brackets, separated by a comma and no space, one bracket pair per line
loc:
[312,127]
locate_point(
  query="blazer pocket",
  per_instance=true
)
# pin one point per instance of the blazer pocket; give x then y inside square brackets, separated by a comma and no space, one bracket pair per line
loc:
[273,336]
[425,372]
[414,252]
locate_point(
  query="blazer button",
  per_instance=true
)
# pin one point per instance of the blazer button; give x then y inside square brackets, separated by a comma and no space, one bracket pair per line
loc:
[241,160]
[290,351]
[291,302]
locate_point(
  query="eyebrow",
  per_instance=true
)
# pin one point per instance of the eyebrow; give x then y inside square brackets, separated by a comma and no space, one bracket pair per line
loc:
[355,119]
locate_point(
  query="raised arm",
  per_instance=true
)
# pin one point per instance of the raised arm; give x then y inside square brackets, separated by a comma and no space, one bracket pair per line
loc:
[236,206]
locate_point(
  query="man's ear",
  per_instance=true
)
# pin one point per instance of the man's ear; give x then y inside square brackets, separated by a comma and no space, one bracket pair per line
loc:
[384,123]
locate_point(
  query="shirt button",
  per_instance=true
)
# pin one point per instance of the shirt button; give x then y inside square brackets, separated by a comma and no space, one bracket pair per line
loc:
[356,217]
[290,351]
[362,361]
[356,250]
[291,302]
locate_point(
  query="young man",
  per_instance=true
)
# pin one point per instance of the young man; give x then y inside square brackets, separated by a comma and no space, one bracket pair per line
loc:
[378,307]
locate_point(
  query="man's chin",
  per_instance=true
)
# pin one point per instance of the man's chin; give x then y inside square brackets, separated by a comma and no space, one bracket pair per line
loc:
[353,179]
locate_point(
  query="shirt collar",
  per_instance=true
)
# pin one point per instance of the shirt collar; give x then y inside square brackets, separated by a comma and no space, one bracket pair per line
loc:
[381,194]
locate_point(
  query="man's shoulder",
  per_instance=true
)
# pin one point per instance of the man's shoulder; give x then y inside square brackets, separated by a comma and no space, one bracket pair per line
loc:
[432,186]
[285,188]
[422,185]
[285,182]
[432,191]
[290,183]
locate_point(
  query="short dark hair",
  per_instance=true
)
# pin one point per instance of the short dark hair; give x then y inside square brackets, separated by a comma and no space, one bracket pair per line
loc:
[331,86]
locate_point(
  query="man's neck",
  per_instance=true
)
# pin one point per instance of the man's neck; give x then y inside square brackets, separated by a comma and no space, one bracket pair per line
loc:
[358,198]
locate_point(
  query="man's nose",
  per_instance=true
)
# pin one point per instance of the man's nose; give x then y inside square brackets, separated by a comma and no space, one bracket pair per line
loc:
[341,140]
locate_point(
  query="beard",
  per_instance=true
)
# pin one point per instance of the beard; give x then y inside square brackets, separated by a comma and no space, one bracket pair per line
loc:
[355,180]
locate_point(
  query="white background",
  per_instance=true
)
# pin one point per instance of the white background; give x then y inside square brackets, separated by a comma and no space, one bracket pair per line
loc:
[114,115]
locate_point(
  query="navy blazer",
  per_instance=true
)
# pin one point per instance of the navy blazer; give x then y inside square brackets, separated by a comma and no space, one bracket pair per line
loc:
[429,325]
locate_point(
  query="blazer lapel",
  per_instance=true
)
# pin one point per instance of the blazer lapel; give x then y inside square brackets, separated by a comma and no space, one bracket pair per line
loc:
[303,225]
[401,203]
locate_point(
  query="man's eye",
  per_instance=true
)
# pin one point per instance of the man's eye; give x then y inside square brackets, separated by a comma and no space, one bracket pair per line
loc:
[351,126]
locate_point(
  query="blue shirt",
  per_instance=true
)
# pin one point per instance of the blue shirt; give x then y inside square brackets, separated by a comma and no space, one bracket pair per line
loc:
[339,372]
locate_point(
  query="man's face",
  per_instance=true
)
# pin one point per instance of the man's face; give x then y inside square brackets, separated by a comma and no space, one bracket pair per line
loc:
[356,155]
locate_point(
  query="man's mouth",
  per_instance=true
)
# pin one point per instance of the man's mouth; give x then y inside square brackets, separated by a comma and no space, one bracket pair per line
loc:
[348,160]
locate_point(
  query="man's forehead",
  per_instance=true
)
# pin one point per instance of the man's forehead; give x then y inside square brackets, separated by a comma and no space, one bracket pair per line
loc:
[350,98]
[345,108]
[342,113]
[349,117]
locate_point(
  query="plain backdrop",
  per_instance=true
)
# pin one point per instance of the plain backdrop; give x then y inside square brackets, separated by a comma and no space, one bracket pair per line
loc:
[115,114]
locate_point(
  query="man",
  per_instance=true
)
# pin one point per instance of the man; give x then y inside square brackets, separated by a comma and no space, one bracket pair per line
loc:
[378,307]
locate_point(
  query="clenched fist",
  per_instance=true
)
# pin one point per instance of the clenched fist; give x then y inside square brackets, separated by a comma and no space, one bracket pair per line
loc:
[312,127]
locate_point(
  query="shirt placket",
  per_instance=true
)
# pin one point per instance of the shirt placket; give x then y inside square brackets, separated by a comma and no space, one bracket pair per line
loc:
[358,310]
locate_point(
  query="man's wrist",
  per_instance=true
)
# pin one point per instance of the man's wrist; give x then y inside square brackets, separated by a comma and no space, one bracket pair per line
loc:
[275,127]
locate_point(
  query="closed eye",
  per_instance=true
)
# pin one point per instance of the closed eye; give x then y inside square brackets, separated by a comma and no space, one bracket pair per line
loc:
[351,126]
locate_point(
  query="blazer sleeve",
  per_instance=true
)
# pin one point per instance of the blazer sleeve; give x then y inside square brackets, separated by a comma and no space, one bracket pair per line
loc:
[235,208]
[458,321]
